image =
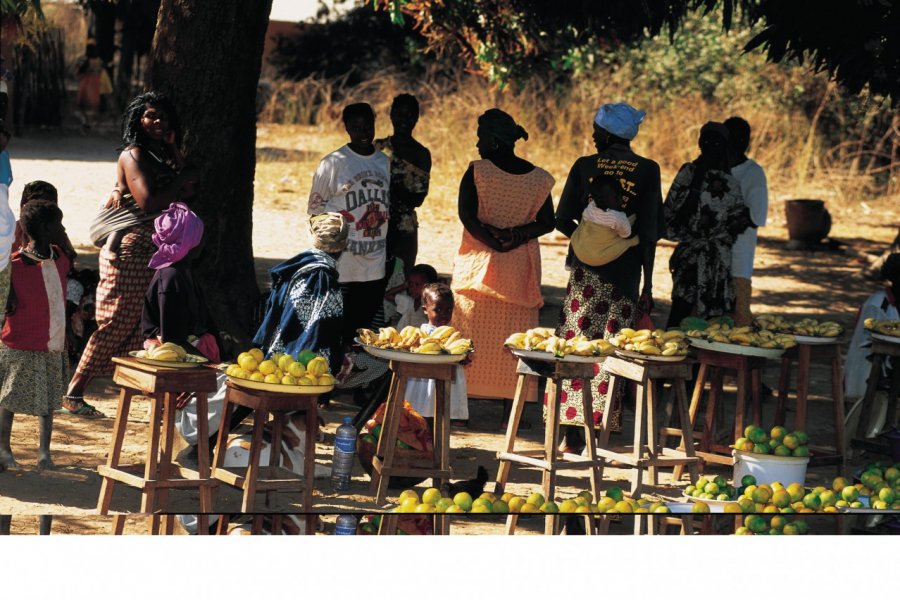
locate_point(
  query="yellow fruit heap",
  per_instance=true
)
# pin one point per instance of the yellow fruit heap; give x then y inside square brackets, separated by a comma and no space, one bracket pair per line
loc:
[443,340]
[613,502]
[743,336]
[652,343]
[544,339]
[167,351]
[883,326]
[807,327]
[281,369]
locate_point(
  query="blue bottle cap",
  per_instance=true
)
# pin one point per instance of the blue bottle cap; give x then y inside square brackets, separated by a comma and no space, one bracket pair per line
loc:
[348,419]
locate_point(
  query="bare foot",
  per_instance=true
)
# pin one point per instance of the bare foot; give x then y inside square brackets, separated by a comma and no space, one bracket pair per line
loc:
[8,463]
[44,463]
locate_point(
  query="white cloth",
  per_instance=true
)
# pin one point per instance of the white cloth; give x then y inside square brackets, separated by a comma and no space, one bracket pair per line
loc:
[614,219]
[359,188]
[408,313]
[755,192]
[7,228]
[421,393]
[56,340]
[857,366]
[187,421]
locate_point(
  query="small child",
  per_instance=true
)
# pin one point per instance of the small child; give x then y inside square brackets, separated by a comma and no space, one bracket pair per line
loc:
[604,233]
[437,302]
[46,192]
[34,367]
[409,304]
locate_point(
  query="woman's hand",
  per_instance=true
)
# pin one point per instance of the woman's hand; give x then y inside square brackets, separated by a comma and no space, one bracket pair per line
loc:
[115,199]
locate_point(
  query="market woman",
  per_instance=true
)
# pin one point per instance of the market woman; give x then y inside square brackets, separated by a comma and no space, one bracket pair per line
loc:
[504,206]
[151,174]
[410,173]
[704,213]
[600,300]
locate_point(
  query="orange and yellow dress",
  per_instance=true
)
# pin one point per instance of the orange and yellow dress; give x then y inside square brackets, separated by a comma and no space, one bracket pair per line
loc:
[499,293]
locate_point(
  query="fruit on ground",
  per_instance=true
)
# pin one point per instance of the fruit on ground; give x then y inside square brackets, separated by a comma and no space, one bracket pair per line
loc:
[463,500]
[536,499]
[431,496]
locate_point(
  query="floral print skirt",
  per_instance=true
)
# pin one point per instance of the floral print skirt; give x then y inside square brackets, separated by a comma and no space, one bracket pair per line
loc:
[597,309]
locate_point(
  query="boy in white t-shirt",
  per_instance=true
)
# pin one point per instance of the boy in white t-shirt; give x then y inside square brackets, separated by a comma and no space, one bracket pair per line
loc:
[755,192]
[354,180]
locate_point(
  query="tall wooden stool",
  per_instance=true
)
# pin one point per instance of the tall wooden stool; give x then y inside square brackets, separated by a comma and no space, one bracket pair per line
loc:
[155,476]
[647,374]
[385,463]
[804,354]
[712,367]
[269,478]
[880,351]
[549,460]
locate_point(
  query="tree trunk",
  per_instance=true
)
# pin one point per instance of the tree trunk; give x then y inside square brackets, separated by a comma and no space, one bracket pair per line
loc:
[206,56]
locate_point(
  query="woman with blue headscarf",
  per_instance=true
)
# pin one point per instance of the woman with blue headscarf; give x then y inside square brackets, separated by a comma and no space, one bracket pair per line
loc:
[601,300]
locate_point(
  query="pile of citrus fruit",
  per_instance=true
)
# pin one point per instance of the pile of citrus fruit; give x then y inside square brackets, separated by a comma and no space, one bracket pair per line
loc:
[881,484]
[778,442]
[716,489]
[307,368]
[775,525]
[613,501]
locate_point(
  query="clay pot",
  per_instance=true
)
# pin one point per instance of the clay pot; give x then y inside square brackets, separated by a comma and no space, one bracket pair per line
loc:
[808,221]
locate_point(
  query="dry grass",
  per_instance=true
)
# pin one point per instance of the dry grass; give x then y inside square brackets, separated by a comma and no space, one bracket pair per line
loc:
[798,161]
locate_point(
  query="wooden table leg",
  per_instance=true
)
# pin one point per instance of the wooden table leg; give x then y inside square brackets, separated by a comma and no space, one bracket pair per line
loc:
[309,466]
[118,524]
[590,440]
[166,446]
[756,395]
[442,425]
[206,497]
[891,418]
[222,525]
[784,382]
[551,438]
[652,448]
[640,406]
[512,429]
[715,390]
[741,403]
[389,428]
[275,447]
[148,495]
[511,521]
[803,372]
[112,460]
[687,433]
[837,392]
[603,442]
[256,441]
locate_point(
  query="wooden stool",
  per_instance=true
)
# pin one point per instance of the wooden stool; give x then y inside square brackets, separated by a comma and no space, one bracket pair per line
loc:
[163,386]
[549,460]
[384,463]
[805,354]
[880,351]
[270,478]
[646,374]
[712,365]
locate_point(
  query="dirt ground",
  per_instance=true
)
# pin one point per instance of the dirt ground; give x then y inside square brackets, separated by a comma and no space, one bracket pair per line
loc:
[798,284]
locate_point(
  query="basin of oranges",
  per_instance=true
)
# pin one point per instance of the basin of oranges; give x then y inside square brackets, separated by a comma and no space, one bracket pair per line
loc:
[306,373]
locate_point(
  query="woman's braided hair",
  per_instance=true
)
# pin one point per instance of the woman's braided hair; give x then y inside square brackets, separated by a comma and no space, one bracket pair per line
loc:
[132,132]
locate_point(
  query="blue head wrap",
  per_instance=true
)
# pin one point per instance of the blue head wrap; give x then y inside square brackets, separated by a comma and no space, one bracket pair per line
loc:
[620,119]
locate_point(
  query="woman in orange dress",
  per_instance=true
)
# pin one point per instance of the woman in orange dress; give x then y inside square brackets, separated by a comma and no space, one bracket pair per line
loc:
[504,206]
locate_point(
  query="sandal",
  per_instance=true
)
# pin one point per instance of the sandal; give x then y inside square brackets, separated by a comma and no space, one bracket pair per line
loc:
[84,409]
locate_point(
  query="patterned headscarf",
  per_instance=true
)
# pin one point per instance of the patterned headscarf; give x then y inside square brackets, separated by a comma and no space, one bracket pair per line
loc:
[329,232]
[178,231]
[501,126]
[620,119]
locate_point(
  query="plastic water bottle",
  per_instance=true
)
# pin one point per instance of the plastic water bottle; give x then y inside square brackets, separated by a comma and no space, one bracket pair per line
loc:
[345,525]
[344,455]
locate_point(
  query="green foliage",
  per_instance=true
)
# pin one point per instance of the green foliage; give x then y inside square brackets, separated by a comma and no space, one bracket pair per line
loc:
[20,7]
